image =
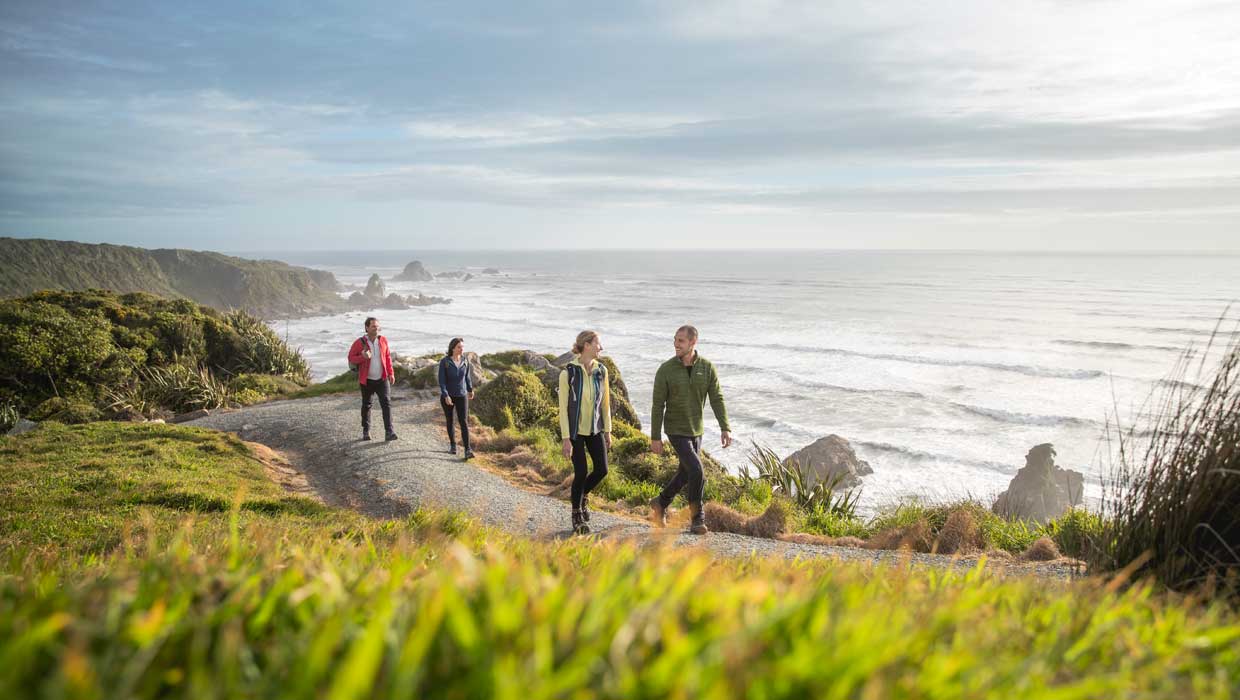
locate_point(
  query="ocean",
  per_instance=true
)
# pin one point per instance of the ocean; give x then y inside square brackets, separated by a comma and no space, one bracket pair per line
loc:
[941,368]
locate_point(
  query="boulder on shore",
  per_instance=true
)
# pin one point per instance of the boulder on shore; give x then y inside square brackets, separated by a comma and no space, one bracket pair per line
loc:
[1040,491]
[829,458]
[414,272]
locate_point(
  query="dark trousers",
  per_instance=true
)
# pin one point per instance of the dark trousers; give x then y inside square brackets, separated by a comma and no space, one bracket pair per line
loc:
[460,406]
[690,473]
[369,390]
[583,484]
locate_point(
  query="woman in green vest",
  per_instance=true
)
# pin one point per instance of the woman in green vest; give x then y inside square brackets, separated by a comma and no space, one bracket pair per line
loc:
[585,421]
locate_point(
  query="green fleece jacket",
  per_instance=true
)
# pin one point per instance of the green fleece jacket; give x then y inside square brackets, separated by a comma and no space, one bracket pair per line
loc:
[679,396]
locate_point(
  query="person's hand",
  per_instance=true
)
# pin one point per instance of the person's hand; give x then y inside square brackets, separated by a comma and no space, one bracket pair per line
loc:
[568,449]
[471,396]
[656,446]
[366,354]
[607,440]
[447,400]
[726,439]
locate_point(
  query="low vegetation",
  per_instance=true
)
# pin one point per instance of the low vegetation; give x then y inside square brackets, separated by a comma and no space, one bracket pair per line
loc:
[1172,510]
[191,577]
[80,356]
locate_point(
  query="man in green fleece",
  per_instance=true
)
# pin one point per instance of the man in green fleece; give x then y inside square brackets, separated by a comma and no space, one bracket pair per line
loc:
[681,387]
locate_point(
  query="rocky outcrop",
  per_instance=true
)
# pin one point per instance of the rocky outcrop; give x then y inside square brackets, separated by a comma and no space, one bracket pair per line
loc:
[830,458]
[375,289]
[1040,491]
[375,296]
[414,272]
[455,275]
[491,271]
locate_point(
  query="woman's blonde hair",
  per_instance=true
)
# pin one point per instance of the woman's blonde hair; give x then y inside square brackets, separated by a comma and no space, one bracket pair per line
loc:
[583,338]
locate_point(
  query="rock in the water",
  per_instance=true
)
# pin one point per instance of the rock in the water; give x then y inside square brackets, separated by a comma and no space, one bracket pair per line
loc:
[414,272]
[395,302]
[1040,491]
[375,288]
[490,271]
[454,275]
[830,457]
[22,426]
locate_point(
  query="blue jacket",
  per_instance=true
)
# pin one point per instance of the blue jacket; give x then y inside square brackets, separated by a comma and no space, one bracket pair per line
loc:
[454,381]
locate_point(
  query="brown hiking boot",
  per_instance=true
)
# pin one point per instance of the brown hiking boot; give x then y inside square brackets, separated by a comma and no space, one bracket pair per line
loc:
[658,514]
[698,524]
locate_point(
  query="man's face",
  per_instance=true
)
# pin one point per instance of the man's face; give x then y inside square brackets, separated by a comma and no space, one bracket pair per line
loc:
[684,346]
[373,329]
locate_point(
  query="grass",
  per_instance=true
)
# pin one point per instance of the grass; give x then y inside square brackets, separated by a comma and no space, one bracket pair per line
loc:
[1172,509]
[339,384]
[210,603]
[79,487]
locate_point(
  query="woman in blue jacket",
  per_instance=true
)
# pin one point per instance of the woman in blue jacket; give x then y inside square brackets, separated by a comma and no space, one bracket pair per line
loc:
[456,389]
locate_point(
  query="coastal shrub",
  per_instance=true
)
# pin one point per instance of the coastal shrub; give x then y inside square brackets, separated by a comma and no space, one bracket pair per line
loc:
[92,346]
[503,361]
[43,345]
[177,387]
[630,492]
[1075,532]
[523,394]
[1170,506]
[261,351]
[821,520]
[65,411]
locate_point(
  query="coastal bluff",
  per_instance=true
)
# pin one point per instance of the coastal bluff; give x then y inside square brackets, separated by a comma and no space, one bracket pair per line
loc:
[265,288]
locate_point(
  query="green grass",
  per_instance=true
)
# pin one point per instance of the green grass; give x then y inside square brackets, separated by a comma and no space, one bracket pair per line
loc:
[79,487]
[250,603]
[339,384]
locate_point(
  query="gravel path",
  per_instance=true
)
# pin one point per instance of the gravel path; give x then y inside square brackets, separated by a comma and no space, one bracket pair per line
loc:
[387,479]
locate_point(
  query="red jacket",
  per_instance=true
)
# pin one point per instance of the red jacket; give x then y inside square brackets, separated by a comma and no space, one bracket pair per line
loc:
[363,365]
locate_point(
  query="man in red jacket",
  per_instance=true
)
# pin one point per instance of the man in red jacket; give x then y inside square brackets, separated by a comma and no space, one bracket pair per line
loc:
[374,372]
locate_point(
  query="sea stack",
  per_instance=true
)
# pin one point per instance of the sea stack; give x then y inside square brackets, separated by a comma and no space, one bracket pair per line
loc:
[414,272]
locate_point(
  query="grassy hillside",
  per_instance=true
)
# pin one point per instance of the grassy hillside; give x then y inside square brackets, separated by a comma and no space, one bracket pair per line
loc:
[153,561]
[264,287]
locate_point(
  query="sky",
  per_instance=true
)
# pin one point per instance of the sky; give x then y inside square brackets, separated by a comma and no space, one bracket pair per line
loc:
[1014,125]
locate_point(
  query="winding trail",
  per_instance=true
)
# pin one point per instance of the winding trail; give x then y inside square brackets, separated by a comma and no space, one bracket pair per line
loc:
[321,437]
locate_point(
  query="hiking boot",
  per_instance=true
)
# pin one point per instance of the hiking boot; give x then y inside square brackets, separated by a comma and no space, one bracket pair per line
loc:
[579,524]
[585,511]
[390,437]
[658,514]
[698,525]
[469,454]
[366,435]
[452,450]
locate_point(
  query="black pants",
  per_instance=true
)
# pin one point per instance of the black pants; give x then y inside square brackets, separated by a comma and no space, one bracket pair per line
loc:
[460,405]
[690,473]
[583,484]
[369,389]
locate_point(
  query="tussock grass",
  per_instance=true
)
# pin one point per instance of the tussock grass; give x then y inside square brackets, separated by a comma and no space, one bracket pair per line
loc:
[1172,509]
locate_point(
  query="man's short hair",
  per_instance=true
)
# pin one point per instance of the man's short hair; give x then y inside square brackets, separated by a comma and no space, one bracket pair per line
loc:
[370,320]
[689,331]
